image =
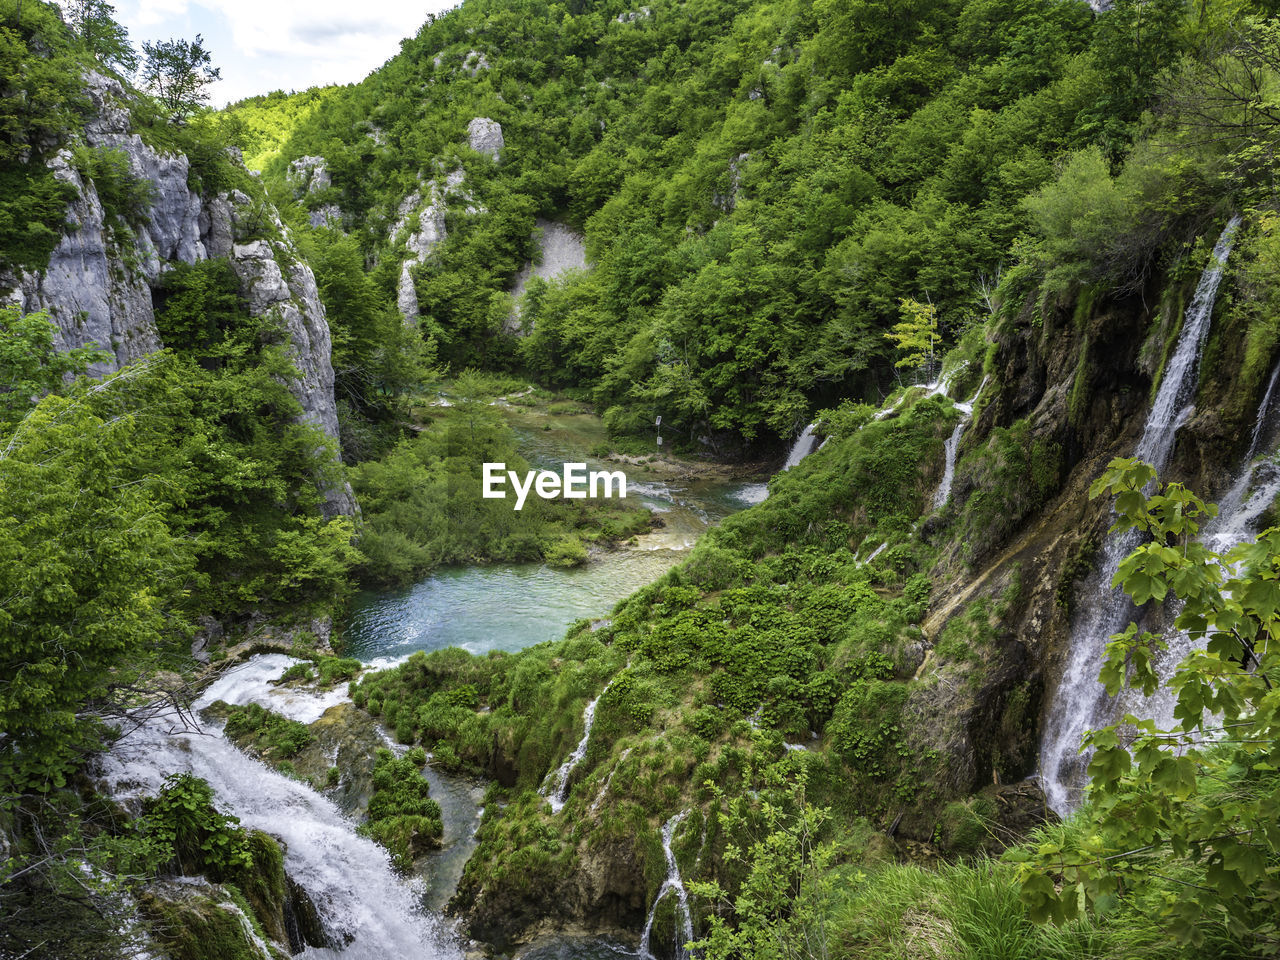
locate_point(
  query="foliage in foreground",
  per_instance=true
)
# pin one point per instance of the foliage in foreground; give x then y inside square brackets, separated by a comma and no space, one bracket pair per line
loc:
[1200,798]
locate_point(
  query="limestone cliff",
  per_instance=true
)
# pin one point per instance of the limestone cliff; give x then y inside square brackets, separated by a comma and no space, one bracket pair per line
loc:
[98,284]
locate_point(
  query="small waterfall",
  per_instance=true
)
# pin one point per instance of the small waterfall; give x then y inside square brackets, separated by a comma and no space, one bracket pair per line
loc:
[1263,410]
[361,901]
[595,804]
[1080,702]
[805,444]
[943,493]
[556,789]
[672,883]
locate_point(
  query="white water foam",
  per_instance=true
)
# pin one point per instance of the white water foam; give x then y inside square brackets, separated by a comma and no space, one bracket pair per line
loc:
[363,904]
[1080,702]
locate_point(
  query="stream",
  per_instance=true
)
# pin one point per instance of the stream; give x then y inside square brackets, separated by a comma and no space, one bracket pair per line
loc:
[372,911]
[513,606]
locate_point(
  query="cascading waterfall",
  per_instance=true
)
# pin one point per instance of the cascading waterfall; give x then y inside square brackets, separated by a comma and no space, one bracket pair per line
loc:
[1080,702]
[361,901]
[805,444]
[943,493]
[1242,506]
[1258,424]
[556,789]
[672,884]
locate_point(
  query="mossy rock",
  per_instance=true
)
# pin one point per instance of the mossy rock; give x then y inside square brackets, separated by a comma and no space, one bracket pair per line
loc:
[196,920]
[264,885]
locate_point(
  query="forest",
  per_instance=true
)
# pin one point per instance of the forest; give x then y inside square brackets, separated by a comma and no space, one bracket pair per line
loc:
[940,341]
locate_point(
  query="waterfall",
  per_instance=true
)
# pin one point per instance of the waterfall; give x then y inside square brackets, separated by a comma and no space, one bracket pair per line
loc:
[363,904]
[1080,702]
[1262,414]
[1253,491]
[556,789]
[805,444]
[670,884]
[595,804]
[943,493]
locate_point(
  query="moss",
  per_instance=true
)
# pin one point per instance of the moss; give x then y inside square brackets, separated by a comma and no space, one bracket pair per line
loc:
[402,815]
[197,927]
[264,734]
[1013,474]
[963,827]
[264,885]
[1076,566]
[1078,399]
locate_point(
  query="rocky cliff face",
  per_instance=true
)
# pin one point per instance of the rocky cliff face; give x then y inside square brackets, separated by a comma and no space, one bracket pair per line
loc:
[98,284]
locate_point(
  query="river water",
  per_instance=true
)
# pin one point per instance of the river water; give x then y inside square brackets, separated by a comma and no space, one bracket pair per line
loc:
[513,606]
[373,912]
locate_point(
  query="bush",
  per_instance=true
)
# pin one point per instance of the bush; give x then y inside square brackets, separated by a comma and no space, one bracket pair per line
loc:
[402,816]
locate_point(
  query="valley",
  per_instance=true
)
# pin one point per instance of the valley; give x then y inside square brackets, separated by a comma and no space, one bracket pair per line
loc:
[935,345]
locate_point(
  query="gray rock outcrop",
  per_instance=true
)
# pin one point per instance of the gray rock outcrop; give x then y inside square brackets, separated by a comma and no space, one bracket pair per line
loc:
[428,233]
[560,249]
[485,136]
[97,286]
[309,175]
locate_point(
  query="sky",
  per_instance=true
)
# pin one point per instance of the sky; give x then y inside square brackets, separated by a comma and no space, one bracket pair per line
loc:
[265,45]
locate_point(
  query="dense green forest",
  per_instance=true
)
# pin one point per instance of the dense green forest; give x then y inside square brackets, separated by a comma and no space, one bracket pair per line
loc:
[761,185]
[958,238]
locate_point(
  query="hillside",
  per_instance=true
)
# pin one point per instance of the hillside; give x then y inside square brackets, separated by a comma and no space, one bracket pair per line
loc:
[759,185]
[958,255]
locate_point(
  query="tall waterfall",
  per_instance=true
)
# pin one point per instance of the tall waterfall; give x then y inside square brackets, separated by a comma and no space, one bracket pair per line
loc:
[943,493]
[1080,702]
[672,884]
[556,789]
[361,901]
[1242,506]
[805,444]
[1264,408]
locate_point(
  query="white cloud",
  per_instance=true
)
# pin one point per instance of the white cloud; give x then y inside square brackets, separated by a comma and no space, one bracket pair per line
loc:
[151,12]
[265,45]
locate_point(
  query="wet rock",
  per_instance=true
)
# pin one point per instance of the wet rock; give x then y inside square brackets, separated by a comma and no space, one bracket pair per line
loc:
[302,920]
[347,738]
[193,919]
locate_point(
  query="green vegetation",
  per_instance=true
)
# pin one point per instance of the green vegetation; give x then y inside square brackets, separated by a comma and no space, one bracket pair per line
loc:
[402,815]
[423,507]
[41,101]
[172,477]
[790,209]
[1198,799]
[260,125]
[761,186]
[178,71]
[74,857]
[263,733]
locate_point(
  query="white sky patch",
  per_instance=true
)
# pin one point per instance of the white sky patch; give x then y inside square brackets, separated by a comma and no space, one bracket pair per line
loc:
[265,45]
